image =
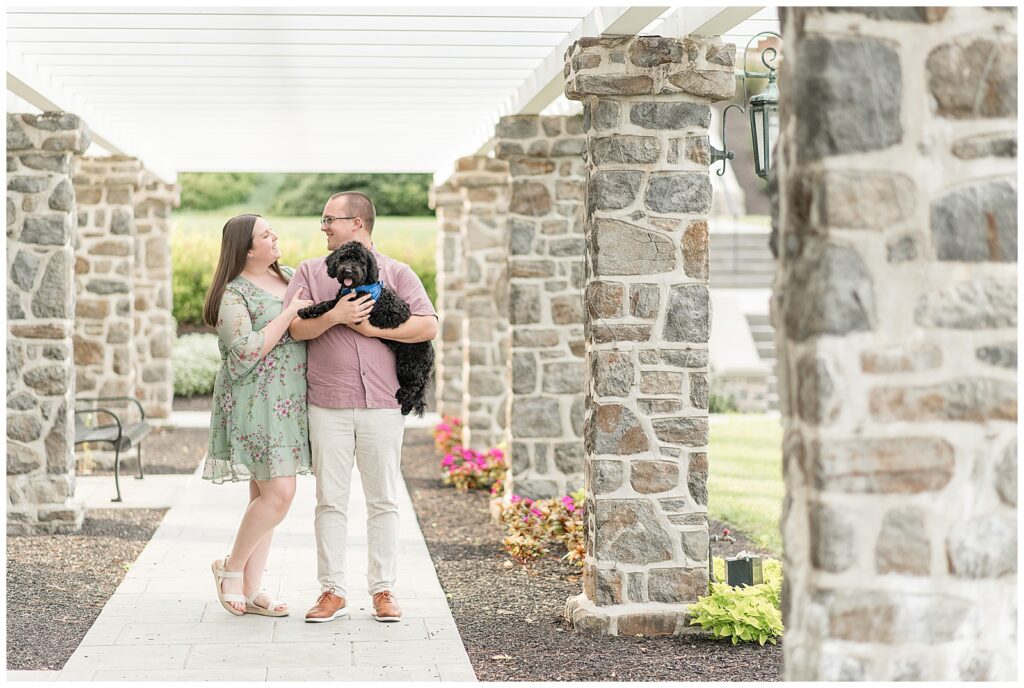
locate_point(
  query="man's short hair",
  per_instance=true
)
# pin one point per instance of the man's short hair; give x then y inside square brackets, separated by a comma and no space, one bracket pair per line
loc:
[359,205]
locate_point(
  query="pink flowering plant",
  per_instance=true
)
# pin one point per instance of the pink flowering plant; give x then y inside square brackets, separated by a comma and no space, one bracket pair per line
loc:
[467,469]
[448,434]
[534,526]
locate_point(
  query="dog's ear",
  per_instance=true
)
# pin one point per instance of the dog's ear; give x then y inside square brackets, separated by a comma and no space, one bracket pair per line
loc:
[332,263]
[371,266]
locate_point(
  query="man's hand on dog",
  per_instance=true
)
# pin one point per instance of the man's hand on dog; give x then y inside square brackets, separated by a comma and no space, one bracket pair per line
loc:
[351,310]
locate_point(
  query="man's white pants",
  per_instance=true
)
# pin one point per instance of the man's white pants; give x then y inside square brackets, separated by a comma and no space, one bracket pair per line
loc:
[372,438]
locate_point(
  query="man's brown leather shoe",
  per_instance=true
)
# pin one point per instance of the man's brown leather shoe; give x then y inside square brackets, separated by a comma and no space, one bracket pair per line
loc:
[327,608]
[385,608]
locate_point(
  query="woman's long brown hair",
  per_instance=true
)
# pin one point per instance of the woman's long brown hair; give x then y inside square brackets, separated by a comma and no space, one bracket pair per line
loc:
[235,242]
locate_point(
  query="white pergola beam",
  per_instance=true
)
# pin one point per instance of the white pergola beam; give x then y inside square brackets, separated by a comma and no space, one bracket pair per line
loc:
[550,74]
[284,51]
[178,21]
[711,21]
[33,95]
[316,88]
[326,9]
[547,81]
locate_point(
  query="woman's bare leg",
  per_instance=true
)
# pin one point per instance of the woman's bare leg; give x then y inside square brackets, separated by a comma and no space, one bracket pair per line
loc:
[254,568]
[268,504]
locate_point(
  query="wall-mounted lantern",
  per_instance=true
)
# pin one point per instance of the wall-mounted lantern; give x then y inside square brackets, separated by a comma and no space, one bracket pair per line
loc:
[764,114]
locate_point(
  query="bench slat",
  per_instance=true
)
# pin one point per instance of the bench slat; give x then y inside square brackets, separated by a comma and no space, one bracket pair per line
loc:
[130,436]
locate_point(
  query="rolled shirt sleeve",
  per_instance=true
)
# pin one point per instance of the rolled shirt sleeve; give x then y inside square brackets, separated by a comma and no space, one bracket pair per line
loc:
[409,288]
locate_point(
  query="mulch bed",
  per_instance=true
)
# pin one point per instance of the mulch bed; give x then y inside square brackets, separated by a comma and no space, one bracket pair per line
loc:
[503,609]
[57,584]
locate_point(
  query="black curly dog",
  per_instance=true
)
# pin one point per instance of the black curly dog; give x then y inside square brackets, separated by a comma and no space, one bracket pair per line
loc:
[415,362]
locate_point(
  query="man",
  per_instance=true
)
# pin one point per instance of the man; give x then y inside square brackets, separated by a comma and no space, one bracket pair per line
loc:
[353,413]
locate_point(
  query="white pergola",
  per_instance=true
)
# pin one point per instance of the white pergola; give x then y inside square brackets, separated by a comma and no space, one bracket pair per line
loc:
[319,88]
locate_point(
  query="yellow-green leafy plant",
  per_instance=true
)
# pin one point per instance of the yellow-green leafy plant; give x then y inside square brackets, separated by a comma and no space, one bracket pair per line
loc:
[746,614]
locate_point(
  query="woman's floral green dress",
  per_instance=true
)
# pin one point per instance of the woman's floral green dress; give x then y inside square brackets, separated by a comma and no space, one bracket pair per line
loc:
[259,428]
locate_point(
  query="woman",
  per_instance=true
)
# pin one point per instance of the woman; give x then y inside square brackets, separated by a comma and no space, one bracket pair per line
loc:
[258,430]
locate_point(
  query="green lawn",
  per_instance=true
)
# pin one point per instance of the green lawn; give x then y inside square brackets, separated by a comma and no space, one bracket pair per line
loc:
[745,485]
[408,239]
[195,245]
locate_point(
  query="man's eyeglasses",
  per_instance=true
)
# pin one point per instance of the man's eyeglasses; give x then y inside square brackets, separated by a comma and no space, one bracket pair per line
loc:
[327,219]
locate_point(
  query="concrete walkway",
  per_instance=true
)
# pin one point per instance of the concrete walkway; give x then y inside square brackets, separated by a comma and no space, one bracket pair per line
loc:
[164,622]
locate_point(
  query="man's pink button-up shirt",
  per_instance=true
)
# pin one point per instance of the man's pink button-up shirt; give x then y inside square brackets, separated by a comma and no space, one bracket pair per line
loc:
[346,369]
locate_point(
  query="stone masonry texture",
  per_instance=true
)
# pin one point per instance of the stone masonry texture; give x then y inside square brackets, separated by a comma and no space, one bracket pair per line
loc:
[105,355]
[155,328]
[895,308]
[41,220]
[646,324]
[545,227]
[483,185]
[446,200]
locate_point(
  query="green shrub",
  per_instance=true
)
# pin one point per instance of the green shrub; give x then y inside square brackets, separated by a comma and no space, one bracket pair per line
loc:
[213,190]
[392,194]
[189,283]
[196,360]
[745,614]
[721,403]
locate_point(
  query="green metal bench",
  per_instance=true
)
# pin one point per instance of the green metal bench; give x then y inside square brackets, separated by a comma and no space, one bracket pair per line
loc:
[121,433]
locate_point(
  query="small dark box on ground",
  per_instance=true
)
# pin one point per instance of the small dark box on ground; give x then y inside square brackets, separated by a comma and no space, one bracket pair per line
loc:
[743,571]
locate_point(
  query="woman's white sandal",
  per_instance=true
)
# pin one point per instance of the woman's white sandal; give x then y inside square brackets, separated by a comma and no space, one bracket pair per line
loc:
[219,575]
[270,610]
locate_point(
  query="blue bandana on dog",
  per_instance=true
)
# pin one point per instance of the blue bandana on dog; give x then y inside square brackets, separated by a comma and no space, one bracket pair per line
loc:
[372,289]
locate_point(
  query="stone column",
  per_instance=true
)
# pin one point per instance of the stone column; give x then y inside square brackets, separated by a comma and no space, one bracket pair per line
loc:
[446,200]
[105,357]
[895,308]
[646,114]
[155,328]
[545,223]
[483,184]
[40,312]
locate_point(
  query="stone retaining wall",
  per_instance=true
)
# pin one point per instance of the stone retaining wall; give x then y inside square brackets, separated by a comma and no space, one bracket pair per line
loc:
[545,235]
[41,218]
[647,323]
[895,310]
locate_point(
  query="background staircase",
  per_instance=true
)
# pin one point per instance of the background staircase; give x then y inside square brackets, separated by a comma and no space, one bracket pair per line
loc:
[741,260]
[764,339]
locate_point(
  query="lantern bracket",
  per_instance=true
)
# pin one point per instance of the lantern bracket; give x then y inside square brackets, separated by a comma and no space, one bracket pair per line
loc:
[768,55]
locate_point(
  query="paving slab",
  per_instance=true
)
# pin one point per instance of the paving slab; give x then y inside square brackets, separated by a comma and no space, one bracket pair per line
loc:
[152,492]
[164,622]
[25,675]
